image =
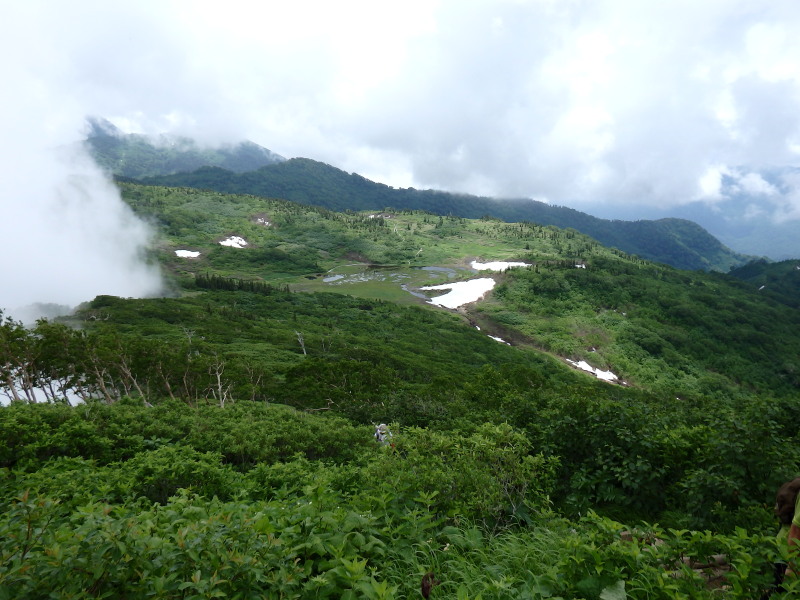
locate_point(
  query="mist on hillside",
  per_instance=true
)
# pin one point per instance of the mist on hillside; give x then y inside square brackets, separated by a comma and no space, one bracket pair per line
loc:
[67,235]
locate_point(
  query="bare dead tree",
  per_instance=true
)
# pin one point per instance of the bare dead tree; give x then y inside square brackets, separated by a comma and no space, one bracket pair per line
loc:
[302,342]
[165,378]
[221,390]
[129,376]
[101,372]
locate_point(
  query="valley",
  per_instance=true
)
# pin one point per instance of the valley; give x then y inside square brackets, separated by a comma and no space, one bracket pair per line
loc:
[580,394]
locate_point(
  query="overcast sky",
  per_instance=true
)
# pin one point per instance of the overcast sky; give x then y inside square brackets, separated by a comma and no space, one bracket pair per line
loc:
[595,104]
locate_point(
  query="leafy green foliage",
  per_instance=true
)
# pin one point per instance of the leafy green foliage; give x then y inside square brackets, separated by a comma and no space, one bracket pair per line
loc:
[223,445]
[320,543]
[280,529]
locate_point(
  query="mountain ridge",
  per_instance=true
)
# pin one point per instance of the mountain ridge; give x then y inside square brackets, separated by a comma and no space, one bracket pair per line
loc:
[137,155]
[251,169]
[677,242]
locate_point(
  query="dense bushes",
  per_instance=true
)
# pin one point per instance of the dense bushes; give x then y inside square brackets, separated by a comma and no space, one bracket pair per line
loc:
[681,465]
[685,465]
[288,526]
[490,474]
[190,548]
[243,434]
[344,531]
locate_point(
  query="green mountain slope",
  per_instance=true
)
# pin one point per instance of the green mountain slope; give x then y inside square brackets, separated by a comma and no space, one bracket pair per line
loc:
[225,445]
[225,440]
[674,332]
[676,242]
[133,155]
[780,281]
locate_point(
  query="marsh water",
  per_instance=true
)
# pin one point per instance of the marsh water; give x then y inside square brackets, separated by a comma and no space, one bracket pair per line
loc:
[416,280]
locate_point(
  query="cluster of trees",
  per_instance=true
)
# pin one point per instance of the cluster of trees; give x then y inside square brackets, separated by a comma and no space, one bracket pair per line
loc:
[780,281]
[56,363]
[231,284]
[240,344]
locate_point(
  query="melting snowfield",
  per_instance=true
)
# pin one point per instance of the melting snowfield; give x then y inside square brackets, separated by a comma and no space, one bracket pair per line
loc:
[461,292]
[234,241]
[186,253]
[464,292]
[604,375]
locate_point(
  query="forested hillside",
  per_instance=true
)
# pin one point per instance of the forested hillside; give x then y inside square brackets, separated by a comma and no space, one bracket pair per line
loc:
[677,242]
[780,281]
[136,155]
[220,438]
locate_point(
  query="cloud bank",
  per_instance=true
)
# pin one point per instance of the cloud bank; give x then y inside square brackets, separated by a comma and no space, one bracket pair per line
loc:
[614,107]
[71,237]
[65,233]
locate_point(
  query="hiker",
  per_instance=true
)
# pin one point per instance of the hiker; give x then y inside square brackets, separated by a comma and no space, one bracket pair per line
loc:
[382,434]
[789,518]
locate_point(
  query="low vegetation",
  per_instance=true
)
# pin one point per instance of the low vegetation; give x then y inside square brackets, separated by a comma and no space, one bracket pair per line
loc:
[676,242]
[223,447]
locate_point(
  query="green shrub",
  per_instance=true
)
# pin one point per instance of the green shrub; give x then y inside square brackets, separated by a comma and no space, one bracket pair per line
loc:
[70,481]
[159,474]
[489,476]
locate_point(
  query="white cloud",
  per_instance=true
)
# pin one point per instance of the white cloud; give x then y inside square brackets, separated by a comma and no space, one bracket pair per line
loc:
[788,203]
[753,211]
[710,183]
[66,235]
[754,184]
[592,104]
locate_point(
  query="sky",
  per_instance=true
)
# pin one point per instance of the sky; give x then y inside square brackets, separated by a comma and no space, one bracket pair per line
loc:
[624,108]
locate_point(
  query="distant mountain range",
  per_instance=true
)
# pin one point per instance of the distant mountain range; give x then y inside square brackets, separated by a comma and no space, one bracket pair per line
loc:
[735,225]
[251,169]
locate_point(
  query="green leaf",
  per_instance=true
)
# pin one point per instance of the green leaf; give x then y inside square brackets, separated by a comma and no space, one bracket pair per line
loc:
[614,592]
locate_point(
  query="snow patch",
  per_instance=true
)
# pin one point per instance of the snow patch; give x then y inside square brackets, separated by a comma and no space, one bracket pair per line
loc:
[234,242]
[584,366]
[501,340]
[187,253]
[262,221]
[461,292]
